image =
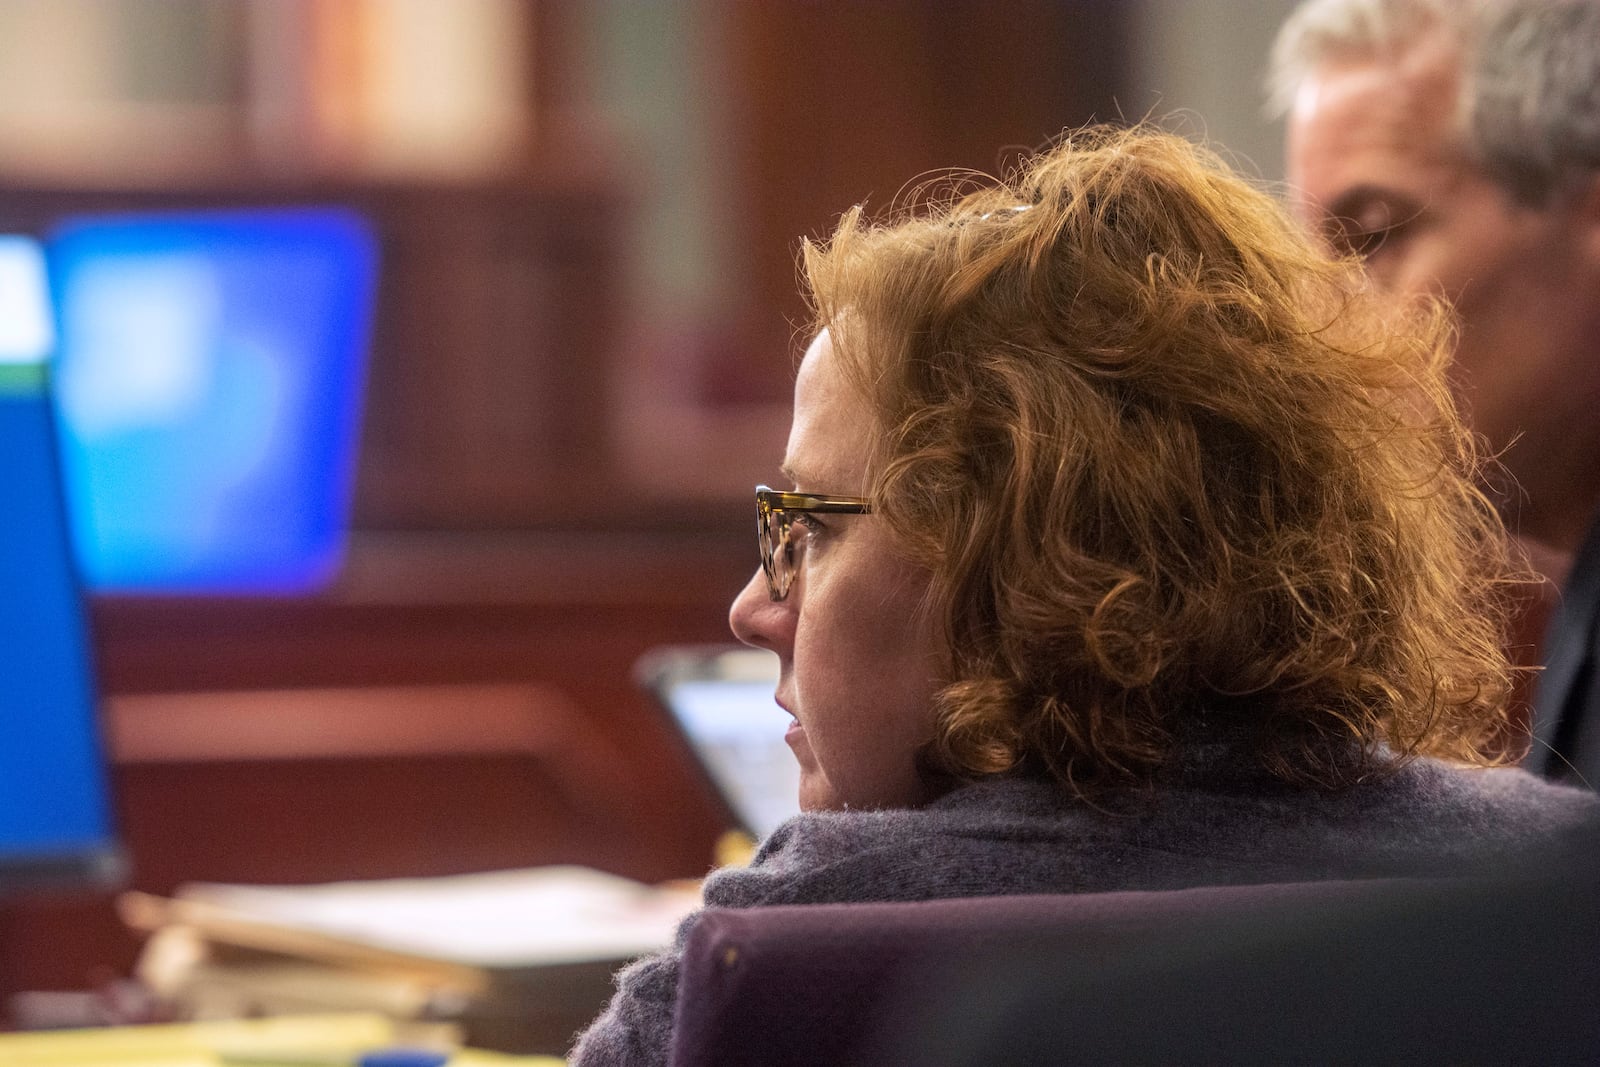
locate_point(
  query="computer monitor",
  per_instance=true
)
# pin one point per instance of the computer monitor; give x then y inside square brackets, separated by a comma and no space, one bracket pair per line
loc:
[209,382]
[55,809]
[719,702]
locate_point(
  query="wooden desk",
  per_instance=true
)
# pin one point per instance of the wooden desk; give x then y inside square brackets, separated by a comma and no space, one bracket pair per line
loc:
[329,784]
[339,723]
[458,704]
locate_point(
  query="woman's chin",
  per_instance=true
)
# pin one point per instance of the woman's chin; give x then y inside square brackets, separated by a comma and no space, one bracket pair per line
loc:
[816,794]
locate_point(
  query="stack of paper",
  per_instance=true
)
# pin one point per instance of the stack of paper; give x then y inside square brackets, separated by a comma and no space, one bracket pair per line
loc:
[520,958]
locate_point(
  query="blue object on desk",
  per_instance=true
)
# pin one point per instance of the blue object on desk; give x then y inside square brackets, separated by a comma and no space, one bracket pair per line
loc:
[405,1057]
[55,812]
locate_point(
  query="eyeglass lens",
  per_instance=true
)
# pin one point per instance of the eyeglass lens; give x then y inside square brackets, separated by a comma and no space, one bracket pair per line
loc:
[777,551]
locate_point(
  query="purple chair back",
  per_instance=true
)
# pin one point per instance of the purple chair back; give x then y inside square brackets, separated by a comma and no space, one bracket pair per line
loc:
[816,984]
[1421,972]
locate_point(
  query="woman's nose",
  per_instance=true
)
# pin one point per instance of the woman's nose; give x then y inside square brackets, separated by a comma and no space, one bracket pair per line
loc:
[758,620]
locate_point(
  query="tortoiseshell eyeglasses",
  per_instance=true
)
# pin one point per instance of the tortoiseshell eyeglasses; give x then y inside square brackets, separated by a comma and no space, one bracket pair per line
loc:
[782,541]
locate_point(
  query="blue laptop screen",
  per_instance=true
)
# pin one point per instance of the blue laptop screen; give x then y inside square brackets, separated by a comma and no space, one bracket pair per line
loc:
[209,387]
[55,817]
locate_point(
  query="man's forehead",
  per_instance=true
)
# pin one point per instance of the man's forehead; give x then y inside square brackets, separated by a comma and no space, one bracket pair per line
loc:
[1373,122]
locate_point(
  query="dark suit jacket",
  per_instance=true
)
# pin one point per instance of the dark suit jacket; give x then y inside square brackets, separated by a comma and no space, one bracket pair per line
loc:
[1566,708]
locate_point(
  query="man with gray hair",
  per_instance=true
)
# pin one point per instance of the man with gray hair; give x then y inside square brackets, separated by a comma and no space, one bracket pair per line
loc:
[1455,145]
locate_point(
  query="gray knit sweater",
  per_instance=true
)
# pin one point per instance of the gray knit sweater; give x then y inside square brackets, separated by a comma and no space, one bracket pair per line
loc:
[1214,822]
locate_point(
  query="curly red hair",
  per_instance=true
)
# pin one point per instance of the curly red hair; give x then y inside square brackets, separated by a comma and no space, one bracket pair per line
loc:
[1163,458]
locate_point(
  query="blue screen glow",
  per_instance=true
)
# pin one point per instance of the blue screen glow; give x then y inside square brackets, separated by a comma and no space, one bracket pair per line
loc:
[209,388]
[54,807]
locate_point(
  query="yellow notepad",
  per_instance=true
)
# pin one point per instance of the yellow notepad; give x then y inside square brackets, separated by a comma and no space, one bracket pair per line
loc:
[289,1041]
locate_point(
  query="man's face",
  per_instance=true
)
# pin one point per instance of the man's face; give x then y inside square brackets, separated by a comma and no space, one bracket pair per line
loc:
[1377,167]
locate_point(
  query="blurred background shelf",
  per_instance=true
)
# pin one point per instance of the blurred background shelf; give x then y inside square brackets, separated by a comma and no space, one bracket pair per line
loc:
[586,323]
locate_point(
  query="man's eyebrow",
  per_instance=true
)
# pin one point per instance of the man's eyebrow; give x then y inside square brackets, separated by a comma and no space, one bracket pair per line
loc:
[1402,205]
[788,472]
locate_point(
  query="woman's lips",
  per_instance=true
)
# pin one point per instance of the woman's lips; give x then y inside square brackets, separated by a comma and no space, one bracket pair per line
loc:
[795,732]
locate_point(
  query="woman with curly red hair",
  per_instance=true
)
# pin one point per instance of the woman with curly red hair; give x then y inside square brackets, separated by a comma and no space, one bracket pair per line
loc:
[1133,544]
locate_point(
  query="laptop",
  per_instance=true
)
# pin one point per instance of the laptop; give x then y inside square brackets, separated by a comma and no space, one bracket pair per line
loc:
[719,699]
[56,824]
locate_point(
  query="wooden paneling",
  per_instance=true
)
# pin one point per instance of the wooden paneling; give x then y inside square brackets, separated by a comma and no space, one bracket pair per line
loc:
[366,722]
[486,401]
[500,538]
[842,102]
